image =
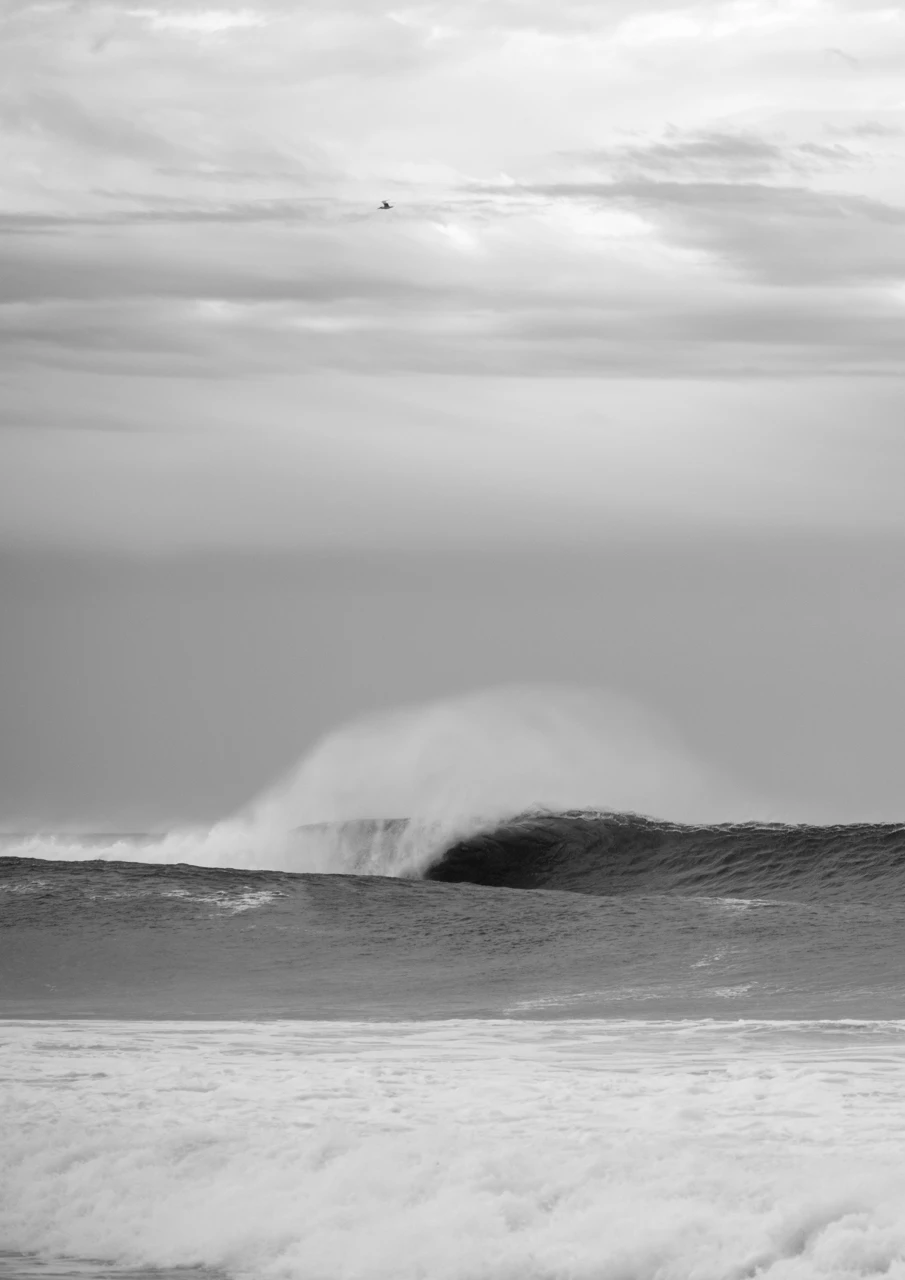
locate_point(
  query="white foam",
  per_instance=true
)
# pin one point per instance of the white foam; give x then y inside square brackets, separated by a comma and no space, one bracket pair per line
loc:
[228,903]
[459,1151]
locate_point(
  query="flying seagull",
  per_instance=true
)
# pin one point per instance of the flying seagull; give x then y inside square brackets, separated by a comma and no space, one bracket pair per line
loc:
[384,204]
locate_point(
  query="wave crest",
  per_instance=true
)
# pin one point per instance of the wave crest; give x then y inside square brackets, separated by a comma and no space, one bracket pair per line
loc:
[612,854]
[390,793]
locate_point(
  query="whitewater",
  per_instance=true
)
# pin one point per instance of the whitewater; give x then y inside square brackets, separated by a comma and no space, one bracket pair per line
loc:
[509,986]
[578,1149]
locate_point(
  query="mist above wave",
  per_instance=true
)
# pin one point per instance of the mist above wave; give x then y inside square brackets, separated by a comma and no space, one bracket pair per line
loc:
[388,793]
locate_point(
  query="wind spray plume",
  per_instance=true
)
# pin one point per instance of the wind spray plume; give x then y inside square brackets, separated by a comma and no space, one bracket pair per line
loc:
[386,795]
[389,794]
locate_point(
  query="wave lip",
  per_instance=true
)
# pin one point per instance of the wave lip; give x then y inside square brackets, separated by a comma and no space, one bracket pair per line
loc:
[587,851]
[600,853]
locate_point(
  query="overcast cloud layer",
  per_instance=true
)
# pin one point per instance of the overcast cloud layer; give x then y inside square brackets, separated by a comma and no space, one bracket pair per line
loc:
[580,187]
[209,334]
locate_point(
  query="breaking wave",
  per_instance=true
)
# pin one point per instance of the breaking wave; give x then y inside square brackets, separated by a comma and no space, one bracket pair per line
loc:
[613,854]
[389,794]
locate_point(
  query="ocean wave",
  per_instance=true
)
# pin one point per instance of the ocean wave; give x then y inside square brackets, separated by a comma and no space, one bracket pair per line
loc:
[390,793]
[742,864]
[739,866]
[130,939]
[735,866]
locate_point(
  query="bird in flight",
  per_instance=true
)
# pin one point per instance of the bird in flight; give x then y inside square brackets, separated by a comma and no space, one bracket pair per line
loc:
[384,204]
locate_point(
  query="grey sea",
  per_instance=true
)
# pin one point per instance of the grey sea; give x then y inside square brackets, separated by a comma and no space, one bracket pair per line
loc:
[575,1045]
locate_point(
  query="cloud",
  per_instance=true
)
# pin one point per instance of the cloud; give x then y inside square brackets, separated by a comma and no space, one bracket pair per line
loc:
[49,113]
[782,234]
[869,129]
[715,155]
[662,277]
[638,186]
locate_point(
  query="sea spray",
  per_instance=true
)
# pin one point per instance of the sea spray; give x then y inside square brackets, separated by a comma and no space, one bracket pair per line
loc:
[388,793]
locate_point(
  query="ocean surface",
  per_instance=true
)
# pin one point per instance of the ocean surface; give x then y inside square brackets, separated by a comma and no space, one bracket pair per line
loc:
[549,915]
[564,1046]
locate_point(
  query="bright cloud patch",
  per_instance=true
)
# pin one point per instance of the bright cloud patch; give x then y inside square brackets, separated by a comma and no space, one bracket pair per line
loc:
[205,21]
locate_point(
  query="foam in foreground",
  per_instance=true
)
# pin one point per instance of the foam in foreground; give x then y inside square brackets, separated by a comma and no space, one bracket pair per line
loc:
[457,1151]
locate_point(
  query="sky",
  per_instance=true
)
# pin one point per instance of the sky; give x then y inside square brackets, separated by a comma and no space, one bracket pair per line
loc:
[612,395]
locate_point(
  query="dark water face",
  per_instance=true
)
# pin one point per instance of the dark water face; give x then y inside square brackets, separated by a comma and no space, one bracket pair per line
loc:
[623,854]
[609,917]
